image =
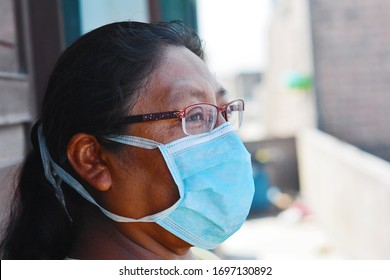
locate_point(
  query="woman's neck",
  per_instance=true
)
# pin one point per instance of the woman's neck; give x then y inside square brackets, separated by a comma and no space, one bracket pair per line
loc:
[100,238]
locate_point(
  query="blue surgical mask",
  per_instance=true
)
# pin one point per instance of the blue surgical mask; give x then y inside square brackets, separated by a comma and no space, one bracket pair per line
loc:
[213,174]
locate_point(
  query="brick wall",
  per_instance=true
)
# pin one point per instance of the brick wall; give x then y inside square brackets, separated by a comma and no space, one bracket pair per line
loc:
[351,42]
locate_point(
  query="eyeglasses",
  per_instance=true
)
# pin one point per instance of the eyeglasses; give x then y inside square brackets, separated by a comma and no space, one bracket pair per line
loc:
[197,118]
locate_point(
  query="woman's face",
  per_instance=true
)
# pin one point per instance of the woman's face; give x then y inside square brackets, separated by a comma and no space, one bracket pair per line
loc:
[142,184]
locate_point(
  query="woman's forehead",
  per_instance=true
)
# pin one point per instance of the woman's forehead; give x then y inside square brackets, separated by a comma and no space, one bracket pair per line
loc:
[179,65]
[181,78]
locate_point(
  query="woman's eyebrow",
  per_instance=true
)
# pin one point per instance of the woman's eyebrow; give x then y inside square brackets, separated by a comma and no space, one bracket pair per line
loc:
[222,92]
[198,93]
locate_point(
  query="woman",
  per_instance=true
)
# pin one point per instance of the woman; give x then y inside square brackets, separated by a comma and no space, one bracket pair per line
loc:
[135,154]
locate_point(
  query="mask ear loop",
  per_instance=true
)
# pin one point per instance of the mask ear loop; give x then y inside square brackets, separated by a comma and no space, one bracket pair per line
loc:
[53,170]
[50,173]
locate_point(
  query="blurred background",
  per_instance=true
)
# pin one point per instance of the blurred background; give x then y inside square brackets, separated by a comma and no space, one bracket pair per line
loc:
[315,76]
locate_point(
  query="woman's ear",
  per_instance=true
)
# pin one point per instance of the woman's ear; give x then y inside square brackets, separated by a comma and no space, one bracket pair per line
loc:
[86,157]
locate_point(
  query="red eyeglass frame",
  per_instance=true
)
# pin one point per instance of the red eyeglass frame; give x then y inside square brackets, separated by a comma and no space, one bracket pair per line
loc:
[174,114]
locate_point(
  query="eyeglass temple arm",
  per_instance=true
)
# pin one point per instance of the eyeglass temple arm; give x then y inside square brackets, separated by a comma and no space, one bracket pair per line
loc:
[150,117]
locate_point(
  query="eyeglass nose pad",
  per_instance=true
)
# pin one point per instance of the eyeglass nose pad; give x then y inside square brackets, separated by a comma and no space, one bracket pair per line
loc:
[221,120]
[224,115]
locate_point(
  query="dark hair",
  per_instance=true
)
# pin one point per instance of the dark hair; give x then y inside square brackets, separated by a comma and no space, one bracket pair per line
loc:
[95,82]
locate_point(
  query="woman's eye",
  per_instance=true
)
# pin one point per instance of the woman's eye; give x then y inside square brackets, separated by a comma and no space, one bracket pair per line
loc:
[195,117]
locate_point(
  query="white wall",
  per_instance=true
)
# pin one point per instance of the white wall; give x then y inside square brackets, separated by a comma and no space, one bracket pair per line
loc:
[284,110]
[349,193]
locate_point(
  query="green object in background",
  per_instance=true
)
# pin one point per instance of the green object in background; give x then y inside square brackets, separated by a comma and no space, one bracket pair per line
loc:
[262,156]
[72,21]
[184,10]
[299,81]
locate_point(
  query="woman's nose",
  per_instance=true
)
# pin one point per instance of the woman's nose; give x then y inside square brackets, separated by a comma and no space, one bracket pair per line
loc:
[221,119]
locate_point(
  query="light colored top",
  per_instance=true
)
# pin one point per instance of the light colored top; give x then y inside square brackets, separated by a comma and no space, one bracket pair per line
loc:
[203,254]
[199,253]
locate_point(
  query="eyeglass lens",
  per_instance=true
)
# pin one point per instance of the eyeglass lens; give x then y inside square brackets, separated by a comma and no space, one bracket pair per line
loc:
[234,113]
[201,118]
